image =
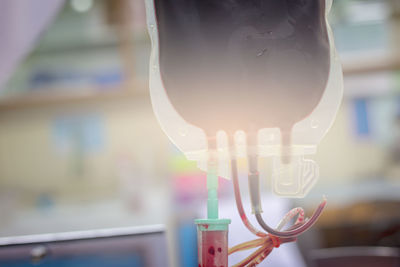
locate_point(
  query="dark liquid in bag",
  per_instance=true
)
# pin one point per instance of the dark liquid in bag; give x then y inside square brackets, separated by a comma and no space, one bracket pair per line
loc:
[243,64]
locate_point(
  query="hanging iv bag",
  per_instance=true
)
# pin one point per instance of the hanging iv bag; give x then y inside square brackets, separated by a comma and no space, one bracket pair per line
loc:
[230,67]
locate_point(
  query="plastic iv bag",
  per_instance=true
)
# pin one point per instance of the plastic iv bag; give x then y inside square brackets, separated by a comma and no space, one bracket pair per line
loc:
[230,67]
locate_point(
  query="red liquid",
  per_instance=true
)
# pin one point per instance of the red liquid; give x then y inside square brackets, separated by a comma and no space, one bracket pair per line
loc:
[213,248]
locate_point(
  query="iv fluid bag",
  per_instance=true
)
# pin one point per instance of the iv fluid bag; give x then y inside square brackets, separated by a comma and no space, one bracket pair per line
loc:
[245,64]
[234,66]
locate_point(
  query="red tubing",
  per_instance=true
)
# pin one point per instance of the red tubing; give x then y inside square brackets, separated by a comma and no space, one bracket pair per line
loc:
[239,203]
[297,231]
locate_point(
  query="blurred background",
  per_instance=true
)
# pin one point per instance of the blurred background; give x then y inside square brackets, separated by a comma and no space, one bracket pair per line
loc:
[80,147]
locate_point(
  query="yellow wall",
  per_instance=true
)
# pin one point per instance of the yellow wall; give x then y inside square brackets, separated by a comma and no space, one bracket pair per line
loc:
[342,156]
[29,160]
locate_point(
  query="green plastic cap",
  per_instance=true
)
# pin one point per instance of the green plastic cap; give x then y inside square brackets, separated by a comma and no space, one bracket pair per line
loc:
[212,224]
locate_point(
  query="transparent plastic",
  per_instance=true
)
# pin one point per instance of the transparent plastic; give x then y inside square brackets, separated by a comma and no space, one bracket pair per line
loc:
[212,248]
[293,178]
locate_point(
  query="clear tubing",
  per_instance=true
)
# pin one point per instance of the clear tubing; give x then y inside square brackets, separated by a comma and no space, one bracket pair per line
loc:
[238,198]
[267,245]
[290,215]
[253,175]
[297,231]
[259,252]
[212,189]
[239,203]
[212,180]
[301,227]
[256,199]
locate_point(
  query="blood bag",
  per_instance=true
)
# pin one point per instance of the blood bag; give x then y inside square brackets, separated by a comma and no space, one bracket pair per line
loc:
[224,68]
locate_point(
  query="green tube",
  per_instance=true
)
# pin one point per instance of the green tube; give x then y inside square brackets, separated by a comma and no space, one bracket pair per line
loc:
[212,187]
[212,233]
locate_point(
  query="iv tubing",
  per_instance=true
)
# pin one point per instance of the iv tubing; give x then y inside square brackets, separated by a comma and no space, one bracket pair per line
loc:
[274,238]
[239,203]
[297,231]
[212,183]
[238,198]
[212,233]
[254,186]
[254,191]
[266,244]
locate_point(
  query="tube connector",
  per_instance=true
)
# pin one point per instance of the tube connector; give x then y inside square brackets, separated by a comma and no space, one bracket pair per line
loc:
[254,187]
